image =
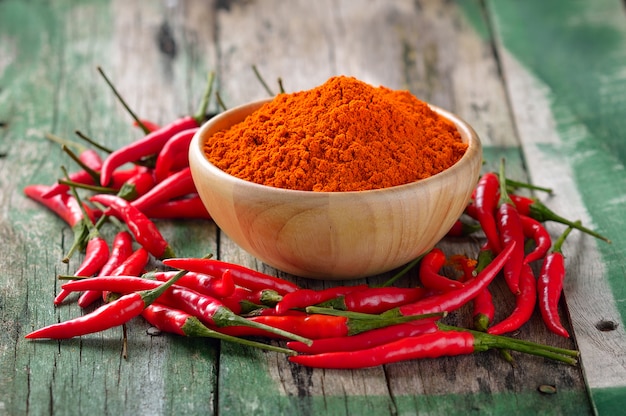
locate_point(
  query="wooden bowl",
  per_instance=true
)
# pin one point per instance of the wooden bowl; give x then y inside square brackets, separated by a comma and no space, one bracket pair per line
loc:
[334,235]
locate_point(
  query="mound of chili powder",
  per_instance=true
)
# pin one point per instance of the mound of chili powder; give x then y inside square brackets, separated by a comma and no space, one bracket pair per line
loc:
[344,135]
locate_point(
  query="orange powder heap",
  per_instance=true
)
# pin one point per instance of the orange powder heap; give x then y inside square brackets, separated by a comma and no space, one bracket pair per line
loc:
[344,135]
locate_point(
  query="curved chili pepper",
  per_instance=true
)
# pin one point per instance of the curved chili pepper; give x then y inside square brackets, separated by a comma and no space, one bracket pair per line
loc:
[143,229]
[96,256]
[174,186]
[244,300]
[449,342]
[524,304]
[307,297]
[179,144]
[117,283]
[550,286]
[454,299]
[133,265]
[191,207]
[367,339]
[63,205]
[429,275]
[375,300]
[484,310]
[121,249]
[535,230]
[485,201]
[138,185]
[202,283]
[242,276]
[107,316]
[539,211]
[175,321]
[510,228]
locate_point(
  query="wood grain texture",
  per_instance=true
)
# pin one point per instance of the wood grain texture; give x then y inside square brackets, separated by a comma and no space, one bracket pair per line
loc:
[457,55]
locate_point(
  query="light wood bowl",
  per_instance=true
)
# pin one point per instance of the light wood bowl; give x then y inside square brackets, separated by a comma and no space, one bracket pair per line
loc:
[334,235]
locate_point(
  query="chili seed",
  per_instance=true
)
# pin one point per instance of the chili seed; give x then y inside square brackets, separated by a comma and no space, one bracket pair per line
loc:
[606,326]
[153,331]
[547,389]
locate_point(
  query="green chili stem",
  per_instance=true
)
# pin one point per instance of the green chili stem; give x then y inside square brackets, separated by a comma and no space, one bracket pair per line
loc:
[93,142]
[262,81]
[200,114]
[194,328]
[542,213]
[65,142]
[220,102]
[517,184]
[123,102]
[558,244]
[367,316]
[94,188]
[95,175]
[280,86]
[504,195]
[402,272]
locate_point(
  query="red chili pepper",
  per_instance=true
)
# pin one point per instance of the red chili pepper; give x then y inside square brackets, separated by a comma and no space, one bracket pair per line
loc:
[96,255]
[211,311]
[143,229]
[367,339]
[122,284]
[63,205]
[107,316]
[524,304]
[449,342]
[454,299]
[121,249]
[133,265]
[243,276]
[137,185]
[483,310]
[429,275]
[175,321]
[550,286]
[510,228]
[375,300]
[486,196]
[150,144]
[185,208]
[179,144]
[91,159]
[535,230]
[307,297]
[316,326]
[202,283]
[174,186]
[537,210]
[244,300]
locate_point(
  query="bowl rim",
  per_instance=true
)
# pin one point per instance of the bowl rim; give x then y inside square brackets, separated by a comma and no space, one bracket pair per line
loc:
[473,142]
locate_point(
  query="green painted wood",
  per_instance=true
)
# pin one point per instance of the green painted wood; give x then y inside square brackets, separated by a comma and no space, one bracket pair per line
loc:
[158,55]
[572,54]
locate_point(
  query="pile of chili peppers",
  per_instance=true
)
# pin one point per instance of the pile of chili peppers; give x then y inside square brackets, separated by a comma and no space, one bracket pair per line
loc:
[346,326]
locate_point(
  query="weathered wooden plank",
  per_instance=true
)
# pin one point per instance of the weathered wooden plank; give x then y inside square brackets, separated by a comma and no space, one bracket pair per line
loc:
[565,93]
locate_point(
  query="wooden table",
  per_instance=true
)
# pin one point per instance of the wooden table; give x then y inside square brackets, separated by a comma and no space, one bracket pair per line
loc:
[542,83]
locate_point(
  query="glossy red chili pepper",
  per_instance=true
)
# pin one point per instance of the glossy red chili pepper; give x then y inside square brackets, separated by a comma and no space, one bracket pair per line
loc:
[121,249]
[179,144]
[307,297]
[107,316]
[242,276]
[143,229]
[202,283]
[485,201]
[539,211]
[175,321]
[122,284]
[133,265]
[96,255]
[483,311]
[537,232]
[316,326]
[510,229]
[150,144]
[63,205]
[137,185]
[375,300]
[429,275]
[449,342]
[454,299]
[244,300]
[191,208]
[525,303]
[550,286]
[211,311]
[367,339]
[177,185]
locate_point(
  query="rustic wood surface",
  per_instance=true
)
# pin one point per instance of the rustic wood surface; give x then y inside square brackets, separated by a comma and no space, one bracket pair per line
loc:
[541,82]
